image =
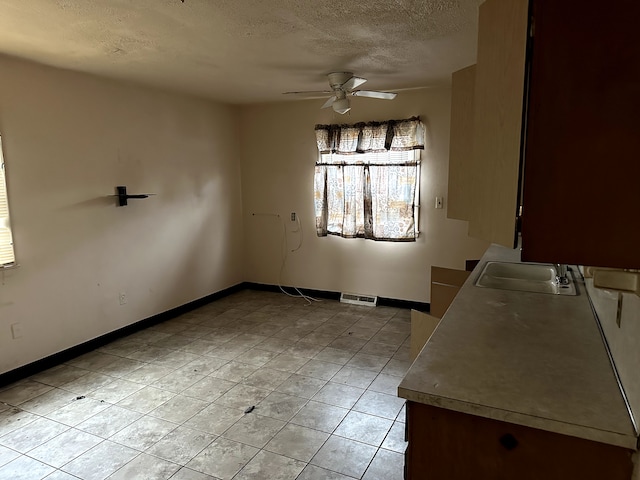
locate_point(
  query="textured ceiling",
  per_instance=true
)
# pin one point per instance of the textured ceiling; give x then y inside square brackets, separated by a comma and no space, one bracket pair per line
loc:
[246,51]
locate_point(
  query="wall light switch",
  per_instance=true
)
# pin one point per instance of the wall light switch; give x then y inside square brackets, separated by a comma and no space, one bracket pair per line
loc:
[293,216]
[438,202]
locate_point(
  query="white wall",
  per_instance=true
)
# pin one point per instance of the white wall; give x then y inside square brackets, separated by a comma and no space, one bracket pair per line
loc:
[69,139]
[279,152]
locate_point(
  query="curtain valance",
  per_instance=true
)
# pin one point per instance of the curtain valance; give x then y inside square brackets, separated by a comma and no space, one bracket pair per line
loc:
[363,137]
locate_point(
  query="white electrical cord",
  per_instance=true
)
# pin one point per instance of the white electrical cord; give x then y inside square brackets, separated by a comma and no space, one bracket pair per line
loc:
[285,253]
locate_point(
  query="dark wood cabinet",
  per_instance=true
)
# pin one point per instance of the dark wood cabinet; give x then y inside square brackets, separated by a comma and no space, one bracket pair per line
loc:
[448,445]
[581,201]
[556,129]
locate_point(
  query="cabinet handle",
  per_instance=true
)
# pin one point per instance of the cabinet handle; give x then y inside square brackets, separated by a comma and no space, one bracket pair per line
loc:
[508,441]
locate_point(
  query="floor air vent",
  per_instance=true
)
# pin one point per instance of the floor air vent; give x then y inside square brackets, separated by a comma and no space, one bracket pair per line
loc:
[356,299]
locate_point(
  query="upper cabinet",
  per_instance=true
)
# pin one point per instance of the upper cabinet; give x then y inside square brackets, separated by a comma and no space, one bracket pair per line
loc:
[497,119]
[555,128]
[581,200]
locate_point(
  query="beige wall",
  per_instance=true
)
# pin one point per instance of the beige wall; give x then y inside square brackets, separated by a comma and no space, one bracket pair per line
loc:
[69,139]
[279,151]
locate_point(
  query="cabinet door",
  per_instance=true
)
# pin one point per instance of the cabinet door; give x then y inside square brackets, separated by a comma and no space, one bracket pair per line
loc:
[497,125]
[444,444]
[461,175]
[582,163]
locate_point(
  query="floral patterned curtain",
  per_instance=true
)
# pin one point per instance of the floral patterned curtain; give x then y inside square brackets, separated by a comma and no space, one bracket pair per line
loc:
[365,180]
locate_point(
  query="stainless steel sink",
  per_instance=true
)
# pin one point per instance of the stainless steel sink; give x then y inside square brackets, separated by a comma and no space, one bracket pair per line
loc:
[525,277]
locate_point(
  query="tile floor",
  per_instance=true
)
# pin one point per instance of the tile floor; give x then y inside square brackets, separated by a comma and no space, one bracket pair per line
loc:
[170,401]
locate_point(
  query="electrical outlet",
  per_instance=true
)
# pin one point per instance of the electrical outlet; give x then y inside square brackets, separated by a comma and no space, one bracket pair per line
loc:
[293,216]
[16,330]
[123,298]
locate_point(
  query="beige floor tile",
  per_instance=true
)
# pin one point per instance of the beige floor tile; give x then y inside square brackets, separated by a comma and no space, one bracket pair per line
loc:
[48,402]
[254,430]
[143,433]
[178,380]
[320,416]
[349,343]
[209,388]
[312,472]
[146,399]
[6,455]
[364,428]
[204,365]
[270,466]
[266,378]
[256,357]
[33,435]
[109,422]
[87,383]
[59,375]
[354,377]
[298,442]
[115,391]
[365,361]
[379,404]
[319,369]
[339,395]
[148,374]
[386,384]
[93,360]
[396,367]
[394,440]
[179,409]
[65,447]
[301,386]
[25,468]
[234,371]
[280,406]
[181,445]
[344,456]
[275,345]
[145,467]
[121,367]
[23,392]
[14,418]
[77,411]
[215,419]
[223,458]
[334,355]
[242,397]
[101,461]
[187,474]
[387,465]
[286,363]
[378,348]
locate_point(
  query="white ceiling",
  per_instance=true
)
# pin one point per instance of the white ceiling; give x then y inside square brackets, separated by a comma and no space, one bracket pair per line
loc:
[246,51]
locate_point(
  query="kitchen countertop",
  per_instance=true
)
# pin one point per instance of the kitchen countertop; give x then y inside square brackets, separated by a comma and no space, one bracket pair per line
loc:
[531,359]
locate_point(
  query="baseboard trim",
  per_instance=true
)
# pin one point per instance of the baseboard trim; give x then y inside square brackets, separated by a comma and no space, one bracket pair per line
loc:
[382,301]
[57,358]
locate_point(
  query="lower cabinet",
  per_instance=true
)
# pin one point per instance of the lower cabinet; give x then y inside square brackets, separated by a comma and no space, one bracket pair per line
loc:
[449,445]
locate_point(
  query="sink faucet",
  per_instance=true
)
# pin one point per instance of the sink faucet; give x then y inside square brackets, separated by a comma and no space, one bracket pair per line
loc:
[561,274]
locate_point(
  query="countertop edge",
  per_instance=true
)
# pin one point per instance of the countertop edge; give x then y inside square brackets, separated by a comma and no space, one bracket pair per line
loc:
[554,426]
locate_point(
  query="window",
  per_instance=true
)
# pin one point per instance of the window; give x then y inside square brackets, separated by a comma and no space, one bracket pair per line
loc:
[7,256]
[366,180]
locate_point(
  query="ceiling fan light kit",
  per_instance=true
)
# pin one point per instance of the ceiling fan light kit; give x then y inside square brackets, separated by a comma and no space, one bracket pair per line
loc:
[343,84]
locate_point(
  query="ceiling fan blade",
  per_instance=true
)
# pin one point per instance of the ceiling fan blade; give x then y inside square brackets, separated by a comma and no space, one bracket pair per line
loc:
[374,94]
[353,82]
[311,94]
[329,102]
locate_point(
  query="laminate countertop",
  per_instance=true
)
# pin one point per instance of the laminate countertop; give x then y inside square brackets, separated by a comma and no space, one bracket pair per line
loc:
[531,359]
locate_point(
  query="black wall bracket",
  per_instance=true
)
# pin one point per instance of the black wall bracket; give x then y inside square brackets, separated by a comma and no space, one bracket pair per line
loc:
[123,196]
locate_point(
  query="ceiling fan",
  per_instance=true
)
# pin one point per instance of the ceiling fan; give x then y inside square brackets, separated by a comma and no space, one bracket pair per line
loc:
[343,84]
